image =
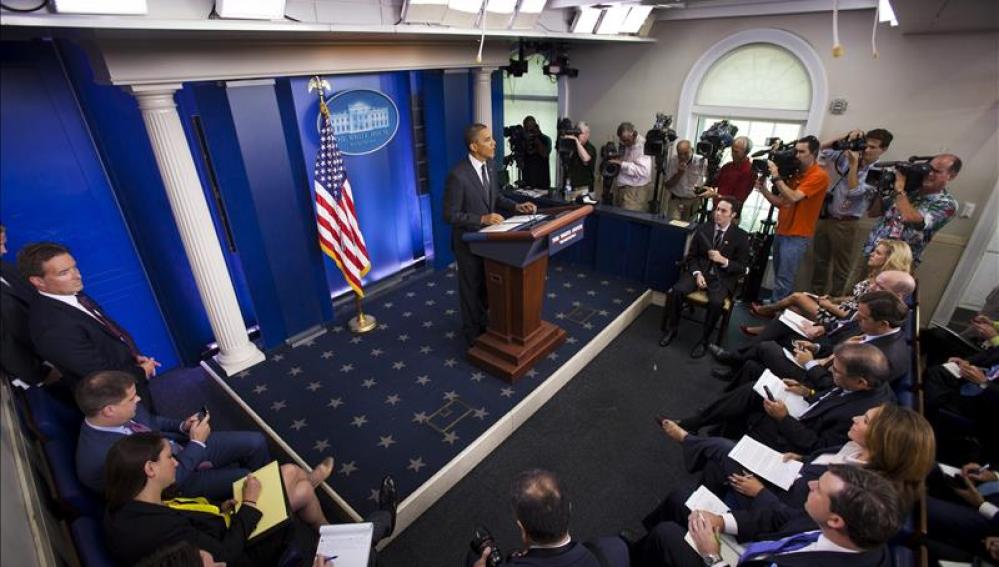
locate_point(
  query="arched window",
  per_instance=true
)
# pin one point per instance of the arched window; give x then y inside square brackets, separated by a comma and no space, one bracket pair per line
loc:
[767,83]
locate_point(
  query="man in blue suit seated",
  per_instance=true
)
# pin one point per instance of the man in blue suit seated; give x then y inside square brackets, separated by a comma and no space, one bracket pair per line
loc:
[208,462]
[542,510]
[850,515]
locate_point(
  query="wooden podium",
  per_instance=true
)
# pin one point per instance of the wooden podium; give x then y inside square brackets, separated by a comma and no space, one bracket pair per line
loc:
[516,263]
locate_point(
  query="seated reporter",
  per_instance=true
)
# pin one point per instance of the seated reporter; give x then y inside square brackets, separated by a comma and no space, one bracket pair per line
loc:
[849,517]
[542,510]
[960,524]
[717,259]
[208,461]
[859,372]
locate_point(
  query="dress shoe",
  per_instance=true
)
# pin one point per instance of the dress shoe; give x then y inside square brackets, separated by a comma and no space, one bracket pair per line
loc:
[388,500]
[667,338]
[726,374]
[723,356]
[699,350]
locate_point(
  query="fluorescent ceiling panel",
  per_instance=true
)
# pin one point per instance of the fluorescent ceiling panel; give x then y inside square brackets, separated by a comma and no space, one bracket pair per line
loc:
[424,11]
[129,7]
[586,20]
[462,13]
[501,6]
[527,14]
[635,19]
[250,9]
[612,20]
[532,6]
[886,13]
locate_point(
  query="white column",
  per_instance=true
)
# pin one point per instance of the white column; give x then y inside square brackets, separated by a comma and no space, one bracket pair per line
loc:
[483,94]
[197,232]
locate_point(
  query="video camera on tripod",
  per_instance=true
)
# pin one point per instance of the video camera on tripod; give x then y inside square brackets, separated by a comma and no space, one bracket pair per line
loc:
[566,148]
[517,137]
[712,144]
[783,155]
[883,176]
[660,136]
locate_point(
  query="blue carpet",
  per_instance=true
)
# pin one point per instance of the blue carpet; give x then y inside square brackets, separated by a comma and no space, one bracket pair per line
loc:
[403,400]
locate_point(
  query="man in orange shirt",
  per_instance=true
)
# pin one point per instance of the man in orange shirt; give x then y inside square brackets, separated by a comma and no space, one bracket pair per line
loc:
[799,201]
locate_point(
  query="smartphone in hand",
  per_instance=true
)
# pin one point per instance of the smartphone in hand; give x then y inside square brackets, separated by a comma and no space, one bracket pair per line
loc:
[770,395]
[203,413]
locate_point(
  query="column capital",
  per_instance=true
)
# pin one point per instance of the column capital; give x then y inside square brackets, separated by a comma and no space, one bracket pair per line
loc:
[156,96]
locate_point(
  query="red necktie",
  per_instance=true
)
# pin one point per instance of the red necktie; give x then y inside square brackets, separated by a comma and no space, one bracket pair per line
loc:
[91,306]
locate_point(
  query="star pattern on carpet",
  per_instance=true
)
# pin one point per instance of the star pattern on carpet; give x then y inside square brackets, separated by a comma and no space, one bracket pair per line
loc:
[347,468]
[416,464]
[359,420]
[386,441]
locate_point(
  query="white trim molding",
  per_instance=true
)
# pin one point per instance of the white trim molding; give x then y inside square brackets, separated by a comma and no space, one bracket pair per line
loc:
[797,45]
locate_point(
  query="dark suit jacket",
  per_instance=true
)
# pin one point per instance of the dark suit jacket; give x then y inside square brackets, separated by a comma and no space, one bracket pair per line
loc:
[574,554]
[895,349]
[828,422]
[466,200]
[17,354]
[138,528]
[76,343]
[93,446]
[735,247]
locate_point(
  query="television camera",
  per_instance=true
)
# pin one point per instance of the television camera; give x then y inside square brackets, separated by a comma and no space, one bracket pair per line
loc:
[882,177]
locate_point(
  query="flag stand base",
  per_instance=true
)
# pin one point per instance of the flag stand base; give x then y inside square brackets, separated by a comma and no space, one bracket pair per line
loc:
[362,324]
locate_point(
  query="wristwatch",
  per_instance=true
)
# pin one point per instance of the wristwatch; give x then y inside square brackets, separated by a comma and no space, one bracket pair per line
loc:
[710,559]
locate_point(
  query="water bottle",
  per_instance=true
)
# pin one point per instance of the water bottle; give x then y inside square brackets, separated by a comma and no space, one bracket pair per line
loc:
[567,190]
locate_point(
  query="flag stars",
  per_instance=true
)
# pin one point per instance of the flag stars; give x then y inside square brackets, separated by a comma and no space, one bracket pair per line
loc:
[347,468]
[260,389]
[386,441]
[398,365]
[335,403]
[313,386]
[423,380]
[416,464]
[321,445]
[393,399]
[298,424]
[278,406]
[359,421]
[369,383]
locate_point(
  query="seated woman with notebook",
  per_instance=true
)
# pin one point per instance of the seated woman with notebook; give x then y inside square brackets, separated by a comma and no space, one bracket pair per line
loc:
[139,521]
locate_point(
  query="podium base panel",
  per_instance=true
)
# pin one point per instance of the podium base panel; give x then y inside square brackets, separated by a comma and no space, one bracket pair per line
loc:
[510,360]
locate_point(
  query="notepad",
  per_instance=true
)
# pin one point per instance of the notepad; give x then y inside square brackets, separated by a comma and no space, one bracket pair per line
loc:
[796,405]
[350,544]
[796,322]
[765,462]
[704,499]
[271,502]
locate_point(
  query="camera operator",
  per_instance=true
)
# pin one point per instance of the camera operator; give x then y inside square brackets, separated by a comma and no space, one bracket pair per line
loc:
[542,511]
[847,201]
[735,179]
[915,217]
[581,164]
[684,172]
[536,171]
[798,201]
[632,188]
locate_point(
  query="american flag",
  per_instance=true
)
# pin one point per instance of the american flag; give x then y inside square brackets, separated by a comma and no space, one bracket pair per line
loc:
[339,236]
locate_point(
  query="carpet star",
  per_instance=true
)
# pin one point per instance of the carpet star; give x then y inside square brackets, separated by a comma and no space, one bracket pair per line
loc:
[478,376]
[629,289]
[416,464]
[506,392]
[449,292]
[386,442]
[449,311]
[373,495]
[359,420]
[425,349]
[604,282]
[388,305]
[376,352]
[449,275]
[450,362]
[580,275]
[403,338]
[428,324]
[616,301]
[321,445]
[422,380]
[398,365]
[429,302]
[450,334]
[308,343]
[347,468]
[576,304]
[420,417]
[295,370]
[553,356]
[407,314]
[552,295]
[243,374]
[260,389]
[480,413]
[338,329]
[383,326]
[410,294]
[298,424]
[591,292]
[369,383]
[450,438]
[327,354]
[335,403]
[347,368]
[531,373]
[560,315]
[587,325]
[431,284]
[393,399]
[278,406]
[558,268]
[567,285]
[603,313]
[278,357]
[313,386]
[450,396]
[356,340]
[572,340]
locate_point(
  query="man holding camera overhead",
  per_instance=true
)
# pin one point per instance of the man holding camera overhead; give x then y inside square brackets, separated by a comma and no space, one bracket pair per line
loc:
[915,216]
[632,188]
[847,160]
[581,164]
[684,173]
[798,200]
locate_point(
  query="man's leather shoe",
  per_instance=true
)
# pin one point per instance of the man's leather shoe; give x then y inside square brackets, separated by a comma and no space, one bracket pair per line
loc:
[699,350]
[723,356]
[388,500]
[726,374]
[667,338]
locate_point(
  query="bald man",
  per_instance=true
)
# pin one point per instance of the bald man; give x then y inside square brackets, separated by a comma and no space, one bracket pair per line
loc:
[684,172]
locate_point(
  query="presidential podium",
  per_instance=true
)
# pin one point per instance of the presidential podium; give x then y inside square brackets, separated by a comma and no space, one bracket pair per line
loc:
[516,263]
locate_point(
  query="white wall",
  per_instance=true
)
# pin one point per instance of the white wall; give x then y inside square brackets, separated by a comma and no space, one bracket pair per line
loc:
[934,92]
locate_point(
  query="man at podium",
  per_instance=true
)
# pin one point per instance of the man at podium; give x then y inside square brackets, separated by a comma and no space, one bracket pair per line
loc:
[471,199]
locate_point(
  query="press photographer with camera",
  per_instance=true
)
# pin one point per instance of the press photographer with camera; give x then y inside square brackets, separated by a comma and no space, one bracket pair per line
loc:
[915,215]
[537,149]
[581,163]
[798,194]
[684,174]
[736,178]
[631,191]
[847,160]
[542,509]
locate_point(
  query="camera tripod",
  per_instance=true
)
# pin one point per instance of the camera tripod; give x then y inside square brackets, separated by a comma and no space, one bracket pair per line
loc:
[759,255]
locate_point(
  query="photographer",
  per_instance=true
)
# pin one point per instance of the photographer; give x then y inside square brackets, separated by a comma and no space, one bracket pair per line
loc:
[536,171]
[581,165]
[799,201]
[684,172]
[915,217]
[735,179]
[632,188]
[847,201]
[542,512]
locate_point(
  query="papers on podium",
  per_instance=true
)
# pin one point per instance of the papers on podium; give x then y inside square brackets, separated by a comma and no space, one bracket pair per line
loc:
[704,499]
[796,405]
[512,223]
[796,322]
[765,462]
[271,503]
[350,544]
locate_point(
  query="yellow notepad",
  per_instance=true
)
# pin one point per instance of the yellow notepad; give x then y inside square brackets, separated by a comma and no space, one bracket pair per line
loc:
[272,502]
